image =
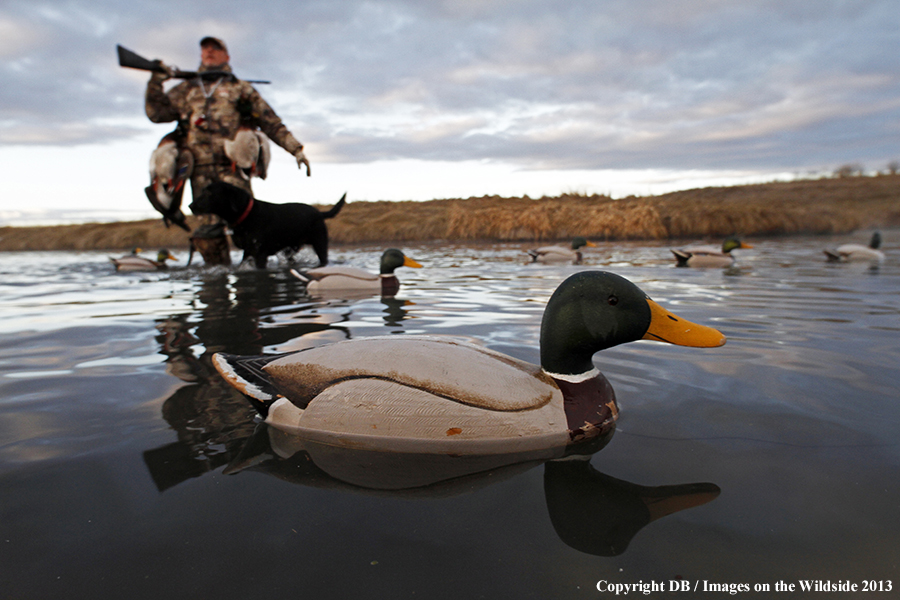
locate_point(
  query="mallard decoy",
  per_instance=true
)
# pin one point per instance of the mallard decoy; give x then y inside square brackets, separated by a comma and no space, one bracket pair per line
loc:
[858,252]
[339,279]
[551,254]
[249,153]
[439,394]
[135,262]
[709,256]
[171,166]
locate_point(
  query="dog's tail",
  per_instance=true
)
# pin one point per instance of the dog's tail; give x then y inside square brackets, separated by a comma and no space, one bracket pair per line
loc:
[336,208]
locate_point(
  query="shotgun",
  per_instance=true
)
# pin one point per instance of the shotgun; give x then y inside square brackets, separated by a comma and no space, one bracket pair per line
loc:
[129,59]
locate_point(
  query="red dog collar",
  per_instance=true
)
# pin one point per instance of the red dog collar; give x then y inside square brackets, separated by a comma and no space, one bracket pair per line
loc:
[245,213]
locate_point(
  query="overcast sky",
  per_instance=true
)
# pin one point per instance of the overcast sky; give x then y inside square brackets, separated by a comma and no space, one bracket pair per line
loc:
[421,99]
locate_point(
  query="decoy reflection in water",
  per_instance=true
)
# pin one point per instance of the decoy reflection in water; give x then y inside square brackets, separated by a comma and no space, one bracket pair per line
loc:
[440,395]
[590,511]
[858,252]
[600,515]
[709,256]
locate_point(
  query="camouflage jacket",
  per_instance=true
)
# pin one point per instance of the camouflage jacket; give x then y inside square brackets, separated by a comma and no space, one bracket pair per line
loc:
[212,112]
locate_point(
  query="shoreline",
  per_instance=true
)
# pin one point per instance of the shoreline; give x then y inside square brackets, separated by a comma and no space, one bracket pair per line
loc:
[821,206]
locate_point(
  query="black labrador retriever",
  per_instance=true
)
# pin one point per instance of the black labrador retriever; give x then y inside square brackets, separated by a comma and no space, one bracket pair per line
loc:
[262,229]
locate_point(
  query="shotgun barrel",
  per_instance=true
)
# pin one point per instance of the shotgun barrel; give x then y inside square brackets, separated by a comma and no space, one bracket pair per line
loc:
[132,60]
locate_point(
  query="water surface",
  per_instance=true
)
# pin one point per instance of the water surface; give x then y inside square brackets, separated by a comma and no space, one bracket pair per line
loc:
[128,469]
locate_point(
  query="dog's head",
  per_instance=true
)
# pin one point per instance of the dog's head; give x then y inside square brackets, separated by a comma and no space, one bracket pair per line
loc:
[222,199]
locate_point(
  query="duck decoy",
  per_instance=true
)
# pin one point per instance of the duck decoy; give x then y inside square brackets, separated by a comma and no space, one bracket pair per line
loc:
[341,279]
[551,254]
[171,166]
[249,153]
[709,256]
[136,262]
[858,252]
[443,395]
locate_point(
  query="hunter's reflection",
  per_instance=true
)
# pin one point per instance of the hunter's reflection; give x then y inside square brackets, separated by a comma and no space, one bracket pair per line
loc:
[237,311]
[243,312]
[209,417]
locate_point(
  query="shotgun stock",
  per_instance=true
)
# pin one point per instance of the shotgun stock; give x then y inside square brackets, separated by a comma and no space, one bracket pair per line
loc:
[132,60]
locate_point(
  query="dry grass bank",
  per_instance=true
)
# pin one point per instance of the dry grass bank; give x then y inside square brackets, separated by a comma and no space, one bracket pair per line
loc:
[782,208]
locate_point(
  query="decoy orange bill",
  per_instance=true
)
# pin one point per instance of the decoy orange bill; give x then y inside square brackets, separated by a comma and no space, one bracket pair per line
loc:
[672,329]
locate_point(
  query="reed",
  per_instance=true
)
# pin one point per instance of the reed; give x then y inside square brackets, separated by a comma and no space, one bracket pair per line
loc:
[824,206]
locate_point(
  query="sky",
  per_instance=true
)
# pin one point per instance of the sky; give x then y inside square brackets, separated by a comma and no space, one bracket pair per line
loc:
[427,99]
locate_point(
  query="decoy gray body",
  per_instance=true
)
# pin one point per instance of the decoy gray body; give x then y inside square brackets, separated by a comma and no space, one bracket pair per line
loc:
[709,256]
[135,262]
[556,254]
[439,394]
[858,252]
[341,279]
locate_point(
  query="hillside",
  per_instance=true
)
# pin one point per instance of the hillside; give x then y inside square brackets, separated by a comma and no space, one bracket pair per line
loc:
[838,205]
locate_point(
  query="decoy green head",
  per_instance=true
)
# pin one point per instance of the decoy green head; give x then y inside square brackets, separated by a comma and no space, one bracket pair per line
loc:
[580,242]
[393,258]
[594,310]
[875,243]
[733,243]
[164,255]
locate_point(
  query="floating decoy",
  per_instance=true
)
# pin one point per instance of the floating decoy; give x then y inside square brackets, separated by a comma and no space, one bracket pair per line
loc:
[551,254]
[858,252]
[249,153]
[443,395]
[709,256]
[171,166]
[340,278]
[135,262]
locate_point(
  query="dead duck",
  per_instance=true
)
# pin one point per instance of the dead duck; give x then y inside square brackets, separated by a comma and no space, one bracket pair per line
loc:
[557,254]
[438,394]
[136,262]
[249,153]
[336,279]
[858,252]
[709,256]
[171,166]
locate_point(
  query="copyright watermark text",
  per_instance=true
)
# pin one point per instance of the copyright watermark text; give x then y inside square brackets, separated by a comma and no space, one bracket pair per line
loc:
[706,586]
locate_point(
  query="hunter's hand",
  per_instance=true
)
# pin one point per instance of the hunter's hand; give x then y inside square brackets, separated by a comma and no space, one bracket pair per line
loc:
[302,160]
[167,72]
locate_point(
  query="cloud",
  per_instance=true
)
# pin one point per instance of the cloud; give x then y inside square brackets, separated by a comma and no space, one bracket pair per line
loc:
[636,84]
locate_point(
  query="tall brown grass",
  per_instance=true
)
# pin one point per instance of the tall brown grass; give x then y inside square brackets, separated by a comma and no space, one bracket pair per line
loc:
[836,205]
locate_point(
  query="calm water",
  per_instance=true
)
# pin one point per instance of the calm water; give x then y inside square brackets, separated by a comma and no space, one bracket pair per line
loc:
[116,434]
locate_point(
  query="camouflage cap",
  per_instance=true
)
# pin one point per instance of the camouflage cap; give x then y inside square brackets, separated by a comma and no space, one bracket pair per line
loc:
[214,41]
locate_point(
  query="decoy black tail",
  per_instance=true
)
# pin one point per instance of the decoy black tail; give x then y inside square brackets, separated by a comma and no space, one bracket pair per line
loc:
[681,257]
[247,376]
